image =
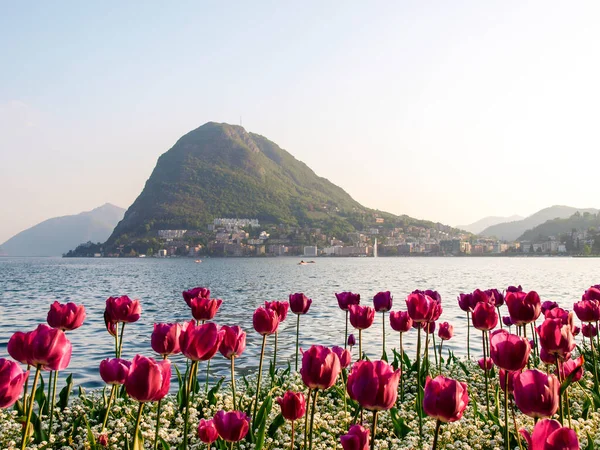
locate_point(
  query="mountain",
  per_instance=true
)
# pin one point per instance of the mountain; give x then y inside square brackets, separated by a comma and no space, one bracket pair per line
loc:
[510,231]
[221,170]
[55,236]
[556,227]
[482,224]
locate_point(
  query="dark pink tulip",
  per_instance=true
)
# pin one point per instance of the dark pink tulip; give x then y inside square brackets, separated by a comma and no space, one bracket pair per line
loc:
[103,439]
[465,302]
[111,327]
[373,384]
[400,321]
[114,371]
[421,308]
[12,379]
[445,331]
[556,338]
[548,305]
[480,296]
[204,309]
[383,301]
[549,434]
[435,295]
[511,381]
[523,308]
[122,309]
[587,329]
[437,312]
[496,297]
[536,394]
[507,321]
[265,321]
[361,317]
[485,316]
[485,364]
[587,310]
[514,289]
[357,438]
[345,299]
[165,338]
[576,331]
[299,303]
[574,367]
[200,342]
[509,351]
[558,313]
[232,426]
[593,293]
[429,327]
[546,357]
[445,399]
[233,343]
[66,317]
[197,292]
[344,355]
[293,405]
[148,380]
[207,432]
[19,346]
[320,367]
[49,348]
[281,308]
[351,340]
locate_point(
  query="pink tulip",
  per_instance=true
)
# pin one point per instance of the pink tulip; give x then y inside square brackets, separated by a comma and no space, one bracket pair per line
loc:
[536,394]
[485,364]
[587,310]
[19,346]
[232,426]
[320,367]
[400,321]
[557,313]
[200,342]
[265,321]
[445,399]
[207,431]
[547,358]
[344,355]
[480,296]
[122,309]
[548,434]
[66,317]
[523,308]
[373,384]
[281,308]
[357,438]
[573,368]
[421,308]
[514,289]
[593,293]
[114,371]
[299,303]
[445,331]
[509,351]
[576,331]
[485,316]
[197,292]
[49,348]
[587,329]
[351,340]
[383,301]
[496,297]
[12,379]
[293,405]
[165,338]
[507,321]
[345,299]
[361,317]
[548,305]
[556,337]
[465,302]
[204,309]
[233,343]
[511,381]
[148,380]
[429,327]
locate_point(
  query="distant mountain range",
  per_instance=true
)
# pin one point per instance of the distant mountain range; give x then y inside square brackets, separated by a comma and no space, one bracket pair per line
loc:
[56,236]
[511,231]
[482,224]
[580,221]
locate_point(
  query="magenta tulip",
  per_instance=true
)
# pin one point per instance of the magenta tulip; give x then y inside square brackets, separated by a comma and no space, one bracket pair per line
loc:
[445,331]
[233,343]
[197,292]
[12,379]
[536,394]
[19,346]
[373,384]
[49,348]
[66,317]
[351,341]
[344,355]
[465,302]
[320,367]
[549,434]
[148,380]
[357,438]
[507,321]
[572,368]
[445,399]
[232,426]
[204,309]
[480,296]
[299,303]
[400,321]
[345,299]
[523,308]
[547,358]
[361,317]
[114,371]
[281,308]
[265,321]
[382,301]
[165,338]
[485,363]
[293,405]
[485,316]
[200,342]
[122,309]
[496,297]
[511,381]
[509,351]
[429,327]
[548,305]
[556,338]
[207,431]
[421,308]
[587,310]
[593,293]
[587,329]
[514,289]
[559,313]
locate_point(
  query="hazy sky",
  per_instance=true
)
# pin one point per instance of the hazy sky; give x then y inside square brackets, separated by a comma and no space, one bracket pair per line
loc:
[448,111]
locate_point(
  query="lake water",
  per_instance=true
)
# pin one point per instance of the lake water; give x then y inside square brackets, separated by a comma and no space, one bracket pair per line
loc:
[29,285]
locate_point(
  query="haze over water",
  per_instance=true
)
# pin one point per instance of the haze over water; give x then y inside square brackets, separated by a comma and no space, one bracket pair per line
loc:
[29,285]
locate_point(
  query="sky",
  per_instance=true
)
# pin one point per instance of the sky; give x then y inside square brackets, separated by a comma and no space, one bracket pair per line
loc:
[447,111]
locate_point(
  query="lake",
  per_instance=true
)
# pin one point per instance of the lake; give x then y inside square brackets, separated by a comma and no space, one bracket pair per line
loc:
[29,285]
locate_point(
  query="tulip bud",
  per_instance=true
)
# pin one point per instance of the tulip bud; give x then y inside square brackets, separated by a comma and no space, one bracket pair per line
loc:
[265,321]
[357,438]
[197,292]
[361,317]
[344,355]
[66,317]
[165,338]
[281,308]
[293,405]
[299,303]
[400,321]
[200,342]
[351,340]
[345,299]
[231,426]
[383,301]
[485,316]
[446,331]
[207,432]
[114,371]
[204,309]
[233,343]
[536,394]
[445,399]
[373,384]
[148,380]
[320,367]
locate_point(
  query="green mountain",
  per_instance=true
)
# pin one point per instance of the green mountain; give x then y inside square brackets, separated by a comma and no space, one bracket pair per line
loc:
[55,236]
[220,170]
[556,227]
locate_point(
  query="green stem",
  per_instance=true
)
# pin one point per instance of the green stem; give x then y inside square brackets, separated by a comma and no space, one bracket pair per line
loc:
[48,396]
[345,394]
[427,349]
[346,334]
[312,418]
[485,371]
[110,400]
[260,365]
[137,425]
[293,432]
[437,432]
[297,336]
[597,336]
[275,352]
[594,362]
[383,323]
[568,408]
[468,336]
[373,430]
[158,418]
[506,434]
[233,382]
[401,370]
[525,336]
[360,344]
[306,420]
[187,404]
[51,411]
[514,416]
[434,349]
[441,345]
[25,391]
[419,401]
[499,317]
[116,339]
[560,403]
[121,340]
[207,376]
[30,409]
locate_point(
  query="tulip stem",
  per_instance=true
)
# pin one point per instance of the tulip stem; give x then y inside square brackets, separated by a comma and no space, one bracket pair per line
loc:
[506,434]
[47,405]
[597,336]
[158,418]
[51,410]
[260,365]
[137,425]
[121,340]
[427,349]
[383,323]
[401,370]
[346,334]
[419,401]
[297,336]
[594,362]
[437,432]
[434,349]
[441,345]
[110,400]
[485,371]
[306,421]
[468,337]
[373,430]
[275,354]
[293,432]
[116,339]
[25,391]
[499,317]
[525,336]
[187,403]
[560,398]
[207,376]
[514,416]
[30,409]
[360,355]
[568,407]
[312,418]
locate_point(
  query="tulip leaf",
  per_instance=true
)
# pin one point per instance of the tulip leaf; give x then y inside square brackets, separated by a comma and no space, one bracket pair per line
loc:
[261,422]
[164,444]
[400,428]
[40,395]
[590,445]
[567,382]
[407,363]
[384,356]
[464,368]
[63,396]
[181,390]
[90,436]
[211,397]
[278,421]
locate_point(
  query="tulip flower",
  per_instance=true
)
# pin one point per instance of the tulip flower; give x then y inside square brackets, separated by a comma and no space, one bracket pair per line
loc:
[281,308]
[507,321]
[357,438]
[293,407]
[556,338]
[465,302]
[547,358]
[558,313]
[204,309]
[536,393]
[445,331]
[299,304]
[361,318]
[504,376]
[523,308]
[207,431]
[120,310]
[114,372]
[572,368]
[445,400]
[549,434]
[593,293]
[232,426]
[509,351]
[421,307]
[345,299]
[485,364]
[197,292]
[547,306]
[12,379]
[514,289]
[587,311]
[351,341]
[382,302]
[496,296]
[344,355]
[66,317]
[485,317]
[165,338]
[588,330]
[232,346]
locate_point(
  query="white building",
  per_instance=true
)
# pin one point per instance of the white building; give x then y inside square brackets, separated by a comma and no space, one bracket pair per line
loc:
[310,250]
